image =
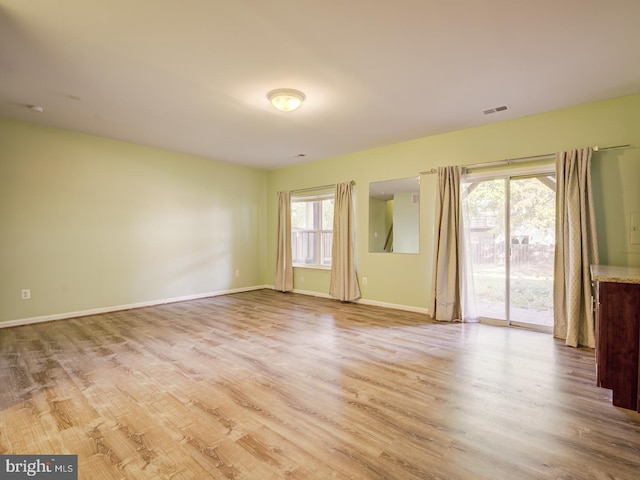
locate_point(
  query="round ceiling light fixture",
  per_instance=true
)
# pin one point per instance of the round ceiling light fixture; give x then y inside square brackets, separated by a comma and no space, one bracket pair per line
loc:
[286,99]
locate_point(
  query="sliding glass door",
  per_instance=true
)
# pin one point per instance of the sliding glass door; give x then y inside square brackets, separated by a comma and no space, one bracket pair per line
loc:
[510,221]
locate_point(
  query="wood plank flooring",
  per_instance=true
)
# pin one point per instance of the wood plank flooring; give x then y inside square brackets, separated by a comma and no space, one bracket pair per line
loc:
[265,385]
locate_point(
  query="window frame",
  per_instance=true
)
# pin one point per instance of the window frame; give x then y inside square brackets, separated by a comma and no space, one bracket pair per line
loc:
[317,232]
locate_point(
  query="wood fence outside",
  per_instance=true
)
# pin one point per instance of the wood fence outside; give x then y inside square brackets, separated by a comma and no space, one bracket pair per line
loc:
[521,254]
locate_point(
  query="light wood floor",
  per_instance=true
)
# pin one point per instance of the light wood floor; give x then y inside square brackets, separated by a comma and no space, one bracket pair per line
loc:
[265,385]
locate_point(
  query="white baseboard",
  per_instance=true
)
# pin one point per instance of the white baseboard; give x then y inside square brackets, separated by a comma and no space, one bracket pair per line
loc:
[151,303]
[363,301]
[395,306]
[312,294]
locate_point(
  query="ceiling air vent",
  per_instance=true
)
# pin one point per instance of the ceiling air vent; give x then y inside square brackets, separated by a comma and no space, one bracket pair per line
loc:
[501,108]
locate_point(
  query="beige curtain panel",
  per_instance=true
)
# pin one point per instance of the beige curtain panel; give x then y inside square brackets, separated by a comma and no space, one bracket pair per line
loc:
[344,281]
[445,290]
[576,249]
[284,259]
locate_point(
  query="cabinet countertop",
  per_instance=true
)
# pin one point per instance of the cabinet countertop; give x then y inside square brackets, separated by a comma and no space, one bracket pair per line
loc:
[611,273]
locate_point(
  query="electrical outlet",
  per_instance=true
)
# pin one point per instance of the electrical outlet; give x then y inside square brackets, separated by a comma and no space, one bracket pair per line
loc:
[301,279]
[364,280]
[25,293]
[237,273]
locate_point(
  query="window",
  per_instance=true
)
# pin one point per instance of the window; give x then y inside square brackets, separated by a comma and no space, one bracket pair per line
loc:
[312,230]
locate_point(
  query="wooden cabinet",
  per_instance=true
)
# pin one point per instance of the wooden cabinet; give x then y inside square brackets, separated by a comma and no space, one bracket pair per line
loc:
[618,333]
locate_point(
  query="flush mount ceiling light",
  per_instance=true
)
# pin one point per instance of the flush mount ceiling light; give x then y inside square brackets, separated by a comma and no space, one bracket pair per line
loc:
[286,99]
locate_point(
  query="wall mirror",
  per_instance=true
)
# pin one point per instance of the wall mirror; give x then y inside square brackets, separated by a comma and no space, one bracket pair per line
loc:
[394,216]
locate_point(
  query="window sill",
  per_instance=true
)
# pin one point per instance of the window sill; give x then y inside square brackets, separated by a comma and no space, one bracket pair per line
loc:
[312,267]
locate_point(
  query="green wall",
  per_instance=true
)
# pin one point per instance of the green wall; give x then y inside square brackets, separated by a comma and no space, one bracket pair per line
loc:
[406,279]
[89,223]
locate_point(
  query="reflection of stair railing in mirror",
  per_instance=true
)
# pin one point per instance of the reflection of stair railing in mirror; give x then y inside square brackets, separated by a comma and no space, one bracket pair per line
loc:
[388,244]
[394,216]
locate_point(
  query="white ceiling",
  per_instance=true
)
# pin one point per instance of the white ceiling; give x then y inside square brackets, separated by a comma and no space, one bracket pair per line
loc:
[192,75]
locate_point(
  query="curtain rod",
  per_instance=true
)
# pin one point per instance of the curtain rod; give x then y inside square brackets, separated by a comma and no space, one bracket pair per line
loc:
[321,187]
[509,161]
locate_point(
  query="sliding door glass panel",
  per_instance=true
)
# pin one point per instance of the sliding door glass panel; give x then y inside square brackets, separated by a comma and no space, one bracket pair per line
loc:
[532,232]
[486,226]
